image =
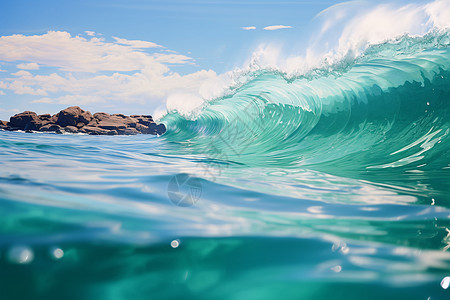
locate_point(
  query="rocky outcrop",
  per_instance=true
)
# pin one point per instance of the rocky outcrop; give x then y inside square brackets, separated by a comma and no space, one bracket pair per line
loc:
[27,120]
[75,120]
[72,116]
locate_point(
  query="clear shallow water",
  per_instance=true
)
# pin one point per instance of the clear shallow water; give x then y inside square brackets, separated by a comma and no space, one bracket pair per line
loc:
[328,186]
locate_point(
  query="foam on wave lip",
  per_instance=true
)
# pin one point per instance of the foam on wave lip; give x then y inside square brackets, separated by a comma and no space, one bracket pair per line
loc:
[345,31]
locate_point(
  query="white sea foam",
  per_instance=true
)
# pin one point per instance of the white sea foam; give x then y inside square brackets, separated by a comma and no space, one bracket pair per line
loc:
[344,31]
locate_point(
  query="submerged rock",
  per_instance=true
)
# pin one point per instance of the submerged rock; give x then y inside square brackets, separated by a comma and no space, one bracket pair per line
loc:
[76,120]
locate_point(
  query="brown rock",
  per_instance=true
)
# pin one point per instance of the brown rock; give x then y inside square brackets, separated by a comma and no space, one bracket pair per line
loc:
[112,132]
[86,117]
[71,129]
[127,131]
[95,130]
[112,123]
[73,115]
[23,120]
[75,120]
[69,116]
[157,129]
[101,116]
[50,127]
[145,120]
[154,129]
[93,122]
[54,118]
[36,125]
[141,128]
[130,122]
[120,115]
[45,117]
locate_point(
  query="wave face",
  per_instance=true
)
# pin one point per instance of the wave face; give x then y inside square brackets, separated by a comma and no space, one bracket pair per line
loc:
[386,109]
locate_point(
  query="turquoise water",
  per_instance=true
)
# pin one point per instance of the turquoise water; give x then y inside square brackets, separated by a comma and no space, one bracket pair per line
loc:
[329,185]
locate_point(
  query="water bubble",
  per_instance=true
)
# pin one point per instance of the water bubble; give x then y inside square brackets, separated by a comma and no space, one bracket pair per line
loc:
[345,249]
[175,243]
[20,255]
[56,253]
[336,269]
[341,246]
[445,283]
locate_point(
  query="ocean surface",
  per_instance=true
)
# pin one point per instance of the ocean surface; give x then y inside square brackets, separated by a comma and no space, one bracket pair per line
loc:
[333,184]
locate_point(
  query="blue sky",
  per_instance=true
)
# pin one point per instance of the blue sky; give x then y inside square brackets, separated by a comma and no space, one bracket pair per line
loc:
[130,56]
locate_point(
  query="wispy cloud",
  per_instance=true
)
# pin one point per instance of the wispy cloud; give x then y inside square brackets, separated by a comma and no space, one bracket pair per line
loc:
[172,58]
[93,70]
[28,66]
[22,73]
[77,54]
[90,33]
[136,43]
[249,28]
[69,99]
[14,110]
[276,27]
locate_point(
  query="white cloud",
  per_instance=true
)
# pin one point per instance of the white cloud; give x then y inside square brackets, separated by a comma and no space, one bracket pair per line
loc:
[249,28]
[439,13]
[136,43]
[2,92]
[22,73]
[276,27]
[90,33]
[70,99]
[14,110]
[141,87]
[22,84]
[83,71]
[172,58]
[28,66]
[77,54]
[136,88]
